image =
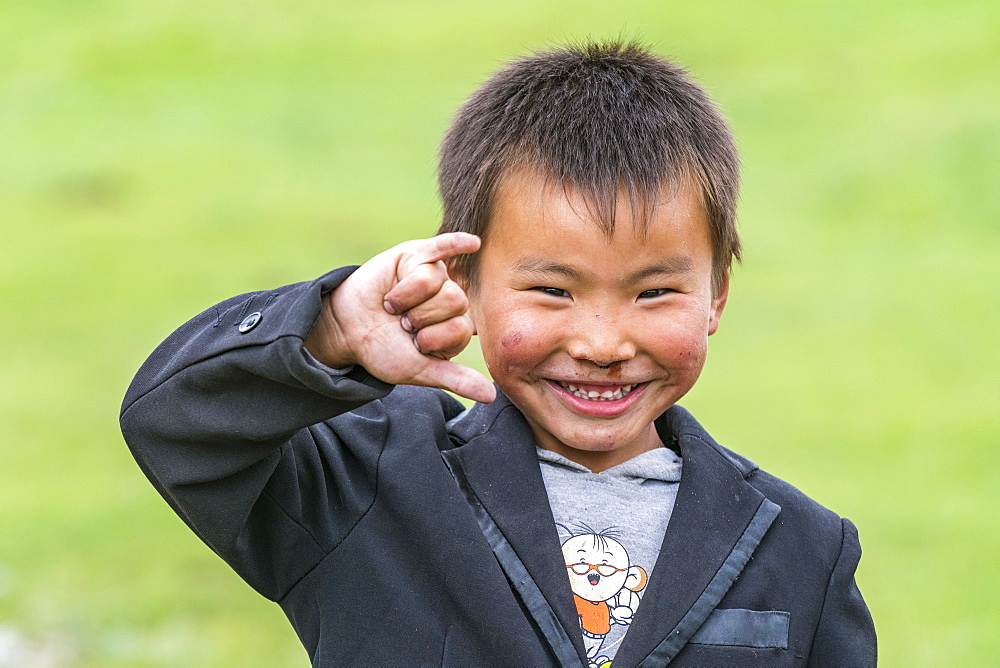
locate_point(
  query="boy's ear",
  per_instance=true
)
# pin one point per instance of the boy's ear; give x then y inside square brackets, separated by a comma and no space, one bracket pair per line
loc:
[718,304]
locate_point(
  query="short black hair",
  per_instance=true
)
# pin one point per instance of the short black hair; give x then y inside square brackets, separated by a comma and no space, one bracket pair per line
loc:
[600,117]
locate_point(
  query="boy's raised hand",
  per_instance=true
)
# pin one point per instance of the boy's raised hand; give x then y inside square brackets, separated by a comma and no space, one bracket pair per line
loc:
[401,317]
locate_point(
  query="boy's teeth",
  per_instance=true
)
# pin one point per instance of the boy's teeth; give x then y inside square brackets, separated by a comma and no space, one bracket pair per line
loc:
[593,395]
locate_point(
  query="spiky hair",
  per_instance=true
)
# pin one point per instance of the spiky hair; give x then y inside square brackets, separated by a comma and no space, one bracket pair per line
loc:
[601,536]
[604,118]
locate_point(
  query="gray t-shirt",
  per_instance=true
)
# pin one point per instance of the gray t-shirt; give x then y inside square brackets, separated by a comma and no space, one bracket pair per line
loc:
[611,525]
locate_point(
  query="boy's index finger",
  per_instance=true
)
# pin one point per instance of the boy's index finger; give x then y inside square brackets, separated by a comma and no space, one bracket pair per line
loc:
[443,247]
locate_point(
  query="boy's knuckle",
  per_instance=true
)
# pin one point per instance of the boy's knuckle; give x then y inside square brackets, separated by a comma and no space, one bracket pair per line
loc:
[426,342]
[428,277]
[448,335]
[453,306]
[420,319]
[467,328]
[405,257]
[454,293]
[453,299]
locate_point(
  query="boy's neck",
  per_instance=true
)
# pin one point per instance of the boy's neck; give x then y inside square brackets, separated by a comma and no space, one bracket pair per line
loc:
[600,461]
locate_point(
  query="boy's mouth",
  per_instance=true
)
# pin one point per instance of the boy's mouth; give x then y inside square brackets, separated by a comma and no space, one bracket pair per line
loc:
[592,393]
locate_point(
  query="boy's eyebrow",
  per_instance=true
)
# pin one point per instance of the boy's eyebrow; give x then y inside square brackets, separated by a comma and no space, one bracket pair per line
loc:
[533,264]
[677,264]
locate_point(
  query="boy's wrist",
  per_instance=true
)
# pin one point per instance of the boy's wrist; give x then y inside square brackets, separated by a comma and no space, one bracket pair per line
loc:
[326,342]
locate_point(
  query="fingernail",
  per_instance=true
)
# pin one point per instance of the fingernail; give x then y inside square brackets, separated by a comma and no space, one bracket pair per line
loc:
[388,307]
[405,322]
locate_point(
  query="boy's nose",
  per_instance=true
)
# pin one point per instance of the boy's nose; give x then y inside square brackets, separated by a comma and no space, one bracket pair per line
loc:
[602,343]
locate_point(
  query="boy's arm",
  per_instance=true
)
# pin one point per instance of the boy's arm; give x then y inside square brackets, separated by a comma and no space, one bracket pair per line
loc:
[845,635]
[220,416]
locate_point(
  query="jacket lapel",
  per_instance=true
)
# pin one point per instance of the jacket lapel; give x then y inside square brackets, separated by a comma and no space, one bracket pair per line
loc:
[498,465]
[717,522]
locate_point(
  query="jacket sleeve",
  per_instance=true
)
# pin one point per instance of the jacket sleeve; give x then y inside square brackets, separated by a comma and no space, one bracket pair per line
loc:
[846,634]
[228,419]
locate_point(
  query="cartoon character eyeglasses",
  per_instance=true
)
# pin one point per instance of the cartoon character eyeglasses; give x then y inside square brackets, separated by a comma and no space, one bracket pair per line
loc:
[603,570]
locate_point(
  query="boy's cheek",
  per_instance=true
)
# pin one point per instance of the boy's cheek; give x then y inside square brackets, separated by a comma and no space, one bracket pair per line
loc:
[512,340]
[511,354]
[681,347]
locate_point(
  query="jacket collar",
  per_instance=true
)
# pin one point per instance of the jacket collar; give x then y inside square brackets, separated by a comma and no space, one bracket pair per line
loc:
[717,515]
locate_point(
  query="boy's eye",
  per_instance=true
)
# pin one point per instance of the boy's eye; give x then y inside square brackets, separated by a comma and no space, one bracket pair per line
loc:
[649,294]
[555,292]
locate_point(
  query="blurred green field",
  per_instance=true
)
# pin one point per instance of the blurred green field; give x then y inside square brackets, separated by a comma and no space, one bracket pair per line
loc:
[158,157]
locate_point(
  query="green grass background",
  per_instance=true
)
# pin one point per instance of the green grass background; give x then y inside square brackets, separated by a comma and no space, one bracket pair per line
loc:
[156,157]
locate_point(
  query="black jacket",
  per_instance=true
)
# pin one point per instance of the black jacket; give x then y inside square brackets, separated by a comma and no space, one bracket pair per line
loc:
[391,537]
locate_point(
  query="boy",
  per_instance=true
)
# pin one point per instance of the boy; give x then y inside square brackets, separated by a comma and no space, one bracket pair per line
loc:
[575,515]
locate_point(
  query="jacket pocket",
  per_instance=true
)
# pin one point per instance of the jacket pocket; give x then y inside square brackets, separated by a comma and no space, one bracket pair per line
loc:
[744,628]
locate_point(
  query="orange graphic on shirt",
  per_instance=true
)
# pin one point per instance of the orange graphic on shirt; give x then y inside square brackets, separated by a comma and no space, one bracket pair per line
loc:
[594,617]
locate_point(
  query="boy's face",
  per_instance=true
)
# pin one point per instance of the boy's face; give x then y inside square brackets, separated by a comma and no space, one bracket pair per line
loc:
[593,338]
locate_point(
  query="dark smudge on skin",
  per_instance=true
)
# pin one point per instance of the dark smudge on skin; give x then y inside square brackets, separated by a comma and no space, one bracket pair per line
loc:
[512,340]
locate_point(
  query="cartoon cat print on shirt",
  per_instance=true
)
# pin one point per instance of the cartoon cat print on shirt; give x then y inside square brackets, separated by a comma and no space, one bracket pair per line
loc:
[605,584]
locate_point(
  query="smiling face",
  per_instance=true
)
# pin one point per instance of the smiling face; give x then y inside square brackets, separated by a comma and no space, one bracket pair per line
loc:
[591,337]
[598,567]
